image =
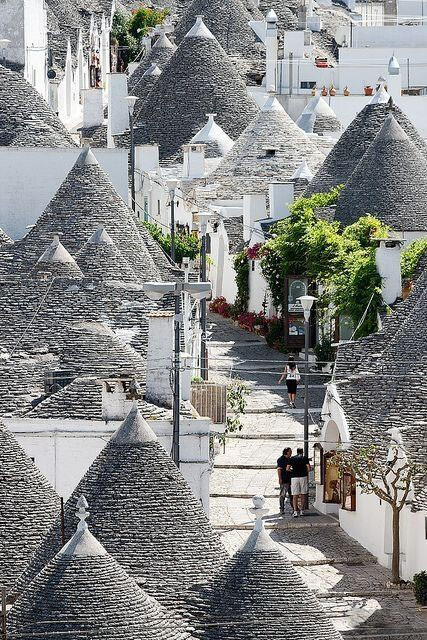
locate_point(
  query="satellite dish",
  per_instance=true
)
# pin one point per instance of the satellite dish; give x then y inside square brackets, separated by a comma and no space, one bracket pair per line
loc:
[51,74]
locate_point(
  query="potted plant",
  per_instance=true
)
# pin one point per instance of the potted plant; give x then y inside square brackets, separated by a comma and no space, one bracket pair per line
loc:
[346,91]
[420,587]
[368,90]
[324,91]
[332,91]
[313,91]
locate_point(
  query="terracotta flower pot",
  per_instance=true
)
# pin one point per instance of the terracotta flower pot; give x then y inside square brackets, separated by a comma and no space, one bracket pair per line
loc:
[346,91]
[324,91]
[313,91]
[368,91]
[332,91]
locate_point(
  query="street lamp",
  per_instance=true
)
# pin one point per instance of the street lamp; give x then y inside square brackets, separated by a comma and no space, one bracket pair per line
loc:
[306,303]
[171,184]
[156,291]
[203,222]
[131,101]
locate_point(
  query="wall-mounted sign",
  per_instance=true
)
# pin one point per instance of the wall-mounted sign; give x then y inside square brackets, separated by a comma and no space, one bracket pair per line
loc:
[296,287]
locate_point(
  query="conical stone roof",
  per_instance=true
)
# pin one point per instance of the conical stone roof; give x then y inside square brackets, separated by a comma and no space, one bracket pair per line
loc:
[355,140]
[85,200]
[28,507]
[270,148]
[161,52]
[25,118]
[390,183]
[100,258]
[57,261]
[217,142]
[145,515]
[258,594]
[228,20]
[84,593]
[318,117]
[143,88]
[198,79]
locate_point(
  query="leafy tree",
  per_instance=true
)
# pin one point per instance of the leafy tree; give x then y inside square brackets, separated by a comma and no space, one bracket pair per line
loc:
[237,391]
[128,31]
[143,18]
[241,267]
[390,479]
[411,256]
[186,245]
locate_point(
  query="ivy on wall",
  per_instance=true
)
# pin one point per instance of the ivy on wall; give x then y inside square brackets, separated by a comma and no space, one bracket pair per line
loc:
[241,267]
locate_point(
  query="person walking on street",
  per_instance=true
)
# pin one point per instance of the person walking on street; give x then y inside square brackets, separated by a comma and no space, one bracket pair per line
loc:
[292,376]
[284,479]
[299,466]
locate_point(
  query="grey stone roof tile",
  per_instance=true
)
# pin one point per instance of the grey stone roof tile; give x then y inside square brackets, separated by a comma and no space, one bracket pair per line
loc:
[258,593]
[25,118]
[28,507]
[271,148]
[390,182]
[354,142]
[84,593]
[161,52]
[147,518]
[198,79]
[234,229]
[286,11]
[100,258]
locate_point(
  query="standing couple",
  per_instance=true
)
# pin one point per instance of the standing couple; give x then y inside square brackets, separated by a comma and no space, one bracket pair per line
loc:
[293,479]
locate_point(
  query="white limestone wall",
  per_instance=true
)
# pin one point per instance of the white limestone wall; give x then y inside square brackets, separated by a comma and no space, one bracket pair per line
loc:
[221,270]
[35,38]
[64,449]
[258,289]
[30,177]
[12,29]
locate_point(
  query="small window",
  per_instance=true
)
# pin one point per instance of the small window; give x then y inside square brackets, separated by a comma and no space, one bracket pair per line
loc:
[33,459]
[318,463]
[158,208]
[146,212]
[308,85]
[253,265]
[270,153]
[426,527]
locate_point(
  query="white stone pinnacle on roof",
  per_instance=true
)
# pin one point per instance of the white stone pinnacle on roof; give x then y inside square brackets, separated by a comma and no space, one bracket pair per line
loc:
[393,66]
[319,106]
[134,429]
[153,70]
[271,16]
[86,158]
[163,43]
[56,252]
[213,133]
[100,236]
[259,511]
[200,30]
[271,103]
[303,172]
[83,544]
[381,96]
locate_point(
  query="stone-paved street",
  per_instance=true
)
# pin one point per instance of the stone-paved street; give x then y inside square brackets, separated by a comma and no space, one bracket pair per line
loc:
[347,579]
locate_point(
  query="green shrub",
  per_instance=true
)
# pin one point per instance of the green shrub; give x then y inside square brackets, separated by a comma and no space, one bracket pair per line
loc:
[411,256]
[420,587]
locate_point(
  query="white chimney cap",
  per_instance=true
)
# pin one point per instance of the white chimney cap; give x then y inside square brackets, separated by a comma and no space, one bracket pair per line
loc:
[393,66]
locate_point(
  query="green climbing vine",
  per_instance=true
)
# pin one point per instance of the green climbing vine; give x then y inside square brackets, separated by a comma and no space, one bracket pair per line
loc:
[241,267]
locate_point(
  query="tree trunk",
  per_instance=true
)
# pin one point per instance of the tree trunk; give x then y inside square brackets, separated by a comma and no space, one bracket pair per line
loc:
[395,562]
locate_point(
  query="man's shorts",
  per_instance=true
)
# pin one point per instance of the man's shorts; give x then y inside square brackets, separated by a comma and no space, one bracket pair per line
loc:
[299,486]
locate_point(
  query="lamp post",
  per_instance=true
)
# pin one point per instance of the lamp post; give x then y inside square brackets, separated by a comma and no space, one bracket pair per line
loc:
[172,186]
[306,303]
[203,222]
[131,101]
[156,291]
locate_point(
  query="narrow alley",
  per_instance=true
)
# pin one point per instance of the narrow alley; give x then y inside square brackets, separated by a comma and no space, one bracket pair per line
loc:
[350,583]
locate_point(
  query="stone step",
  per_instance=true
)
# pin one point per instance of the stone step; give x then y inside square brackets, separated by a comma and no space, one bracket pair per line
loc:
[292,523]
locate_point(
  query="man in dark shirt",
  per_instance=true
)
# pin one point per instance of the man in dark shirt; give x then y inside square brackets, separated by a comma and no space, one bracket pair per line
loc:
[284,478]
[299,467]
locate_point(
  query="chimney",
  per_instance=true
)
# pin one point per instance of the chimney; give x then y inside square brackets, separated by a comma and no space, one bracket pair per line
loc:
[93,109]
[194,161]
[117,399]
[387,259]
[254,208]
[281,196]
[159,358]
[271,50]
[118,113]
[147,157]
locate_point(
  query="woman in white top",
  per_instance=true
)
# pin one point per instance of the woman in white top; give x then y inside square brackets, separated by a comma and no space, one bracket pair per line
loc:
[292,376]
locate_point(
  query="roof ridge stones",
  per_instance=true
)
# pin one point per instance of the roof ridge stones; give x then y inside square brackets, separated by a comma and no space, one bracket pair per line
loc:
[258,593]
[28,507]
[84,200]
[145,515]
[198,79]
[228,20]
[389,182]
[354,142]
[25,117]
[271,128]
[84,592]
